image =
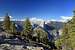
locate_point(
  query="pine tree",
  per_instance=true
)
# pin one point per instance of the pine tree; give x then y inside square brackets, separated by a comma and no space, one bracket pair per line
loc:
[7,23]
[67,39]
[27,28]
[72,31]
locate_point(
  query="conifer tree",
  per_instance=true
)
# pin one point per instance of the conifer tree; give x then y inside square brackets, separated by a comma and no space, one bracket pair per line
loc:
[7,22]
[27,28]
[72,31]
[68,35]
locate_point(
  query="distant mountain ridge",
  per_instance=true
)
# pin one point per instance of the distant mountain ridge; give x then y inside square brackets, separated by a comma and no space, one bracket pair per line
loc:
[57,25]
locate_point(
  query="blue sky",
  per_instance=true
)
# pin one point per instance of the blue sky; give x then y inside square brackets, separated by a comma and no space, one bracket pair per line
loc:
[45,9]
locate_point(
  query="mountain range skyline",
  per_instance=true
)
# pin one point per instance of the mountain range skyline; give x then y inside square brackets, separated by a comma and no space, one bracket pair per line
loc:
[62,19]
[38,21]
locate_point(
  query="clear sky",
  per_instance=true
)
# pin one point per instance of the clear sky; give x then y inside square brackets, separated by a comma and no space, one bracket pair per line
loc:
[37,8]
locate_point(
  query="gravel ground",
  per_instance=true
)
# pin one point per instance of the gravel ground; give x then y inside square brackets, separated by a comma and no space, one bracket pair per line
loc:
[11,47]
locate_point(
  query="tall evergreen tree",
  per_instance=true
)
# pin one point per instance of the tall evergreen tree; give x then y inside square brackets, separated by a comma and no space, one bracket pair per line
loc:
[27,28]
[68,35]
[7,22]
[72,31]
